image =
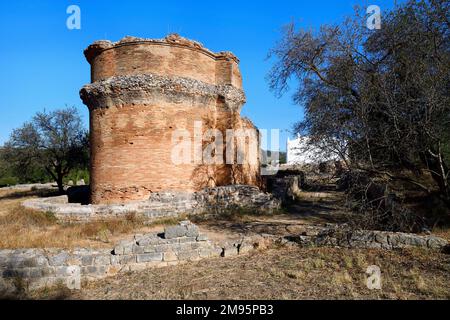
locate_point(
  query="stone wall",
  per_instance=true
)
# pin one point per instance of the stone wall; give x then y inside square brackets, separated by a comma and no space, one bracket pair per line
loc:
[286,184]
[161,204]
[143,90]
[37,268]
[31,186]
[343,236]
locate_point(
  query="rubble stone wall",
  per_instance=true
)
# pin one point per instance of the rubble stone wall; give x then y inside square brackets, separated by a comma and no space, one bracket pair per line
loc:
[345,237]
[161,204]
[37,268]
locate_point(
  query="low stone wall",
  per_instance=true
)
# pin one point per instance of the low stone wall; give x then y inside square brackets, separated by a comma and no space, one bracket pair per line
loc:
[343,236]
[286,184]
[37,268]
[33,186]
[161,205]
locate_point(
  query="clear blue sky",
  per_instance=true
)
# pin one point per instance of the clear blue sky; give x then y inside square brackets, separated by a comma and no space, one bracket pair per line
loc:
[42,63]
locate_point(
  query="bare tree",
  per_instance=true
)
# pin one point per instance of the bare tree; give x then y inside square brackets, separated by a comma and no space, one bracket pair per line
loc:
[55,141]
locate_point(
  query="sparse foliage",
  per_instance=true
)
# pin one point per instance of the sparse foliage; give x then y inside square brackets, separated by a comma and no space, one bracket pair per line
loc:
[55,142]
[379,97]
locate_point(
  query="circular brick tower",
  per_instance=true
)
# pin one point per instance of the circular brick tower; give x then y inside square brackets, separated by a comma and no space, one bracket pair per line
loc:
[141,92]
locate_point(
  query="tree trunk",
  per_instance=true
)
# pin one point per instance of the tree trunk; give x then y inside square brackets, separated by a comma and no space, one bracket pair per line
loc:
[439,173]
[59,181]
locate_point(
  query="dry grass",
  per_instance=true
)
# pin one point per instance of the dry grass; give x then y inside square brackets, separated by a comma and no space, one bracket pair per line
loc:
[442,232]
[284,273]
[24,228]
[279,273]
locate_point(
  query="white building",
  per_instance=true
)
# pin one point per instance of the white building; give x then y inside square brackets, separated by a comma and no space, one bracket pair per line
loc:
[299,152]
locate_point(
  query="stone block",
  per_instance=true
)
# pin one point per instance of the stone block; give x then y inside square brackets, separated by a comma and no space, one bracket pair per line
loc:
[436,243]
[75,259]
[94,271]
[137,249]
[124,247]
[115,260]
[381,237]
[175,232]
[58,259]
[187,239]
[102,260]
[393,240]
[202,237]
[62,271]
[127,259]
[229,251]
[148,257]
[192,230]
[87,260]
[146,241]
[35,273]
[48,271]
[73,281]
[183,229]
[137,267]
[162,247]
[149,249]
[374,245]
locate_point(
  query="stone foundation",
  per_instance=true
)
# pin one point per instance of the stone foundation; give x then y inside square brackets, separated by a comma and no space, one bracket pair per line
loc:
[161,205]
[344,237]
[37,268]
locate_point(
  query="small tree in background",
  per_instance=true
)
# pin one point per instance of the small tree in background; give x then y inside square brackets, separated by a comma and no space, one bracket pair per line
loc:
[55,142]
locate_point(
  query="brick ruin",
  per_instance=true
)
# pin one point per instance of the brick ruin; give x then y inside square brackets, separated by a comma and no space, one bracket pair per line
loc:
[141,91]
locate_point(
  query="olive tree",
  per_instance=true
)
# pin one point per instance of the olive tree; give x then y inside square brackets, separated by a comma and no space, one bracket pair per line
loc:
[55,141]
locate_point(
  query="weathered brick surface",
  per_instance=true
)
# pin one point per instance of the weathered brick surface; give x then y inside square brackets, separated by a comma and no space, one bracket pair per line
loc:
[141,91]
[172,55]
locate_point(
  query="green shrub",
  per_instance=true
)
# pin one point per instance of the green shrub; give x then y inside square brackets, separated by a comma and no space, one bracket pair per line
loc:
[78,174]
[8,181]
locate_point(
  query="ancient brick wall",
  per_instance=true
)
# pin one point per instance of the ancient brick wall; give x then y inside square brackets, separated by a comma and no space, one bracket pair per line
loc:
[141,91]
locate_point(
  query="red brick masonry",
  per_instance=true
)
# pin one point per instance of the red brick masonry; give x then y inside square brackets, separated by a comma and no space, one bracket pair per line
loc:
[141,91]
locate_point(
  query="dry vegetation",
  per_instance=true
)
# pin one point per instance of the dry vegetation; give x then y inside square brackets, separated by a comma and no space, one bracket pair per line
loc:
[277,273]
[23,228]
[281,273]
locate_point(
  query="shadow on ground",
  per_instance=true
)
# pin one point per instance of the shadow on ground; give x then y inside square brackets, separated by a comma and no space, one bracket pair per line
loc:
[306,210]
[41,193]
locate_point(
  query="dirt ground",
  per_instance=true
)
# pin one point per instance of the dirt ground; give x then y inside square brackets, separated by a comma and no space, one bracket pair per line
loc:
[283,272]
[23,228]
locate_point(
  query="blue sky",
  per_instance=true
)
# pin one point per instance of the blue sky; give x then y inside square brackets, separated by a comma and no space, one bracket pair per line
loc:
[42,63]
